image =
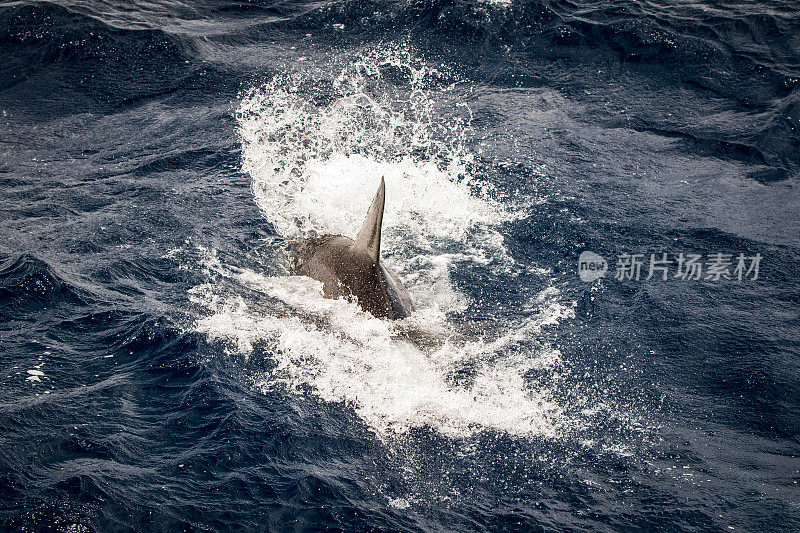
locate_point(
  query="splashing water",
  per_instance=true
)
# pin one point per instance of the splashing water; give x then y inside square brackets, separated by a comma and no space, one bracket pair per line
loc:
[315,151]
[392,382]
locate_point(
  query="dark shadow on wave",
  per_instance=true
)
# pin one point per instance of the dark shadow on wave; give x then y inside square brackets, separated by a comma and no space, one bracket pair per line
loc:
[28,284]
[68,62]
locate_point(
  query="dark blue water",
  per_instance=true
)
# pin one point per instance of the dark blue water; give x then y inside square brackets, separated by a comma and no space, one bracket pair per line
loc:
[161,369]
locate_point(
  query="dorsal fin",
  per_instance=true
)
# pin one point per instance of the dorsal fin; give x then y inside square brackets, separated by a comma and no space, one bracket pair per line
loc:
[369,238]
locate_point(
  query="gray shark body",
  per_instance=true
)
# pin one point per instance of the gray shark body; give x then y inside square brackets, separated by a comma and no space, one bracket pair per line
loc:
[352,269]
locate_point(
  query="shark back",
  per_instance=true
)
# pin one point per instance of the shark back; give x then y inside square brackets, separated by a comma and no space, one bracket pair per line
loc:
[352,269]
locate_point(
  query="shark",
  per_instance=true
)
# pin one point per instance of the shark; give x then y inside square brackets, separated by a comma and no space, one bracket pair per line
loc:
[352,268]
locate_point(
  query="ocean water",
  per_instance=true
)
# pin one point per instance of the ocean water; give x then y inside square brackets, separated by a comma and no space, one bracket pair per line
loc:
[163,369]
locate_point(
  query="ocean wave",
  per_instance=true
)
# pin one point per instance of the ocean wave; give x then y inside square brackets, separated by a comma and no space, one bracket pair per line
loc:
[43,40]
[27,283]
[735,50]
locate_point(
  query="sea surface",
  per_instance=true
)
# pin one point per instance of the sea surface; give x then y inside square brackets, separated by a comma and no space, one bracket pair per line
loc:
[163,369]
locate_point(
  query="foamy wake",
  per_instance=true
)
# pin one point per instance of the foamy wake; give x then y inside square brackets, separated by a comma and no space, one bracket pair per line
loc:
[393,380]
[316,157]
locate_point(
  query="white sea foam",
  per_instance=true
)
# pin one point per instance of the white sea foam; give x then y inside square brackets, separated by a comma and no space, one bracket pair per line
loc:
[315,167]
[374,365]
